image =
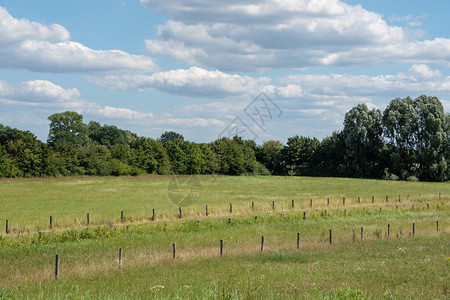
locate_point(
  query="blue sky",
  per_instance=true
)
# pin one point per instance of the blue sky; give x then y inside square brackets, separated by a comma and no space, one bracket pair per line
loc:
[194,66]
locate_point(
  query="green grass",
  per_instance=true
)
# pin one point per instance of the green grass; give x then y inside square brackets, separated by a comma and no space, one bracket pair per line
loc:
[400,266]
[32,202]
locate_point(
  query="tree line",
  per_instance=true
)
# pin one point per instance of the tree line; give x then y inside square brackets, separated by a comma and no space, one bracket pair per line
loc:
[410,140]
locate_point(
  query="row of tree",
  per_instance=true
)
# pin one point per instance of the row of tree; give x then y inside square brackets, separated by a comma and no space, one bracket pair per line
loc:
[410,140]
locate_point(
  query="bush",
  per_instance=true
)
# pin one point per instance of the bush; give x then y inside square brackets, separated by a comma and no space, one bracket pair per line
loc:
[412,178]
[347,293]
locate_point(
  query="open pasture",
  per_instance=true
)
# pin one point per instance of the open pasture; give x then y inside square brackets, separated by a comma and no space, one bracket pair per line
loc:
[403,251]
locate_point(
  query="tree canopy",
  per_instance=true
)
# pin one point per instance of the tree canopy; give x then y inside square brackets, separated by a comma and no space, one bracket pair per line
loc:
[410,140]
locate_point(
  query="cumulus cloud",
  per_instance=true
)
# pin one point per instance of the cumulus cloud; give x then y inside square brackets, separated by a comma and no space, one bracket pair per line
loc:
[186,82]
[420,79]
[37,99]
[48,48]
[251,35]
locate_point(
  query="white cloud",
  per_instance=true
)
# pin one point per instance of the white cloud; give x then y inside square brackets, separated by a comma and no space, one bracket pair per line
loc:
[37,99]
[251,35]
[421,79]
[190,82]
[43,48]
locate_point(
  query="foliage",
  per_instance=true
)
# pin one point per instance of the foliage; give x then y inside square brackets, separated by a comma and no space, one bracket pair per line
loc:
[68,126]
[410,140]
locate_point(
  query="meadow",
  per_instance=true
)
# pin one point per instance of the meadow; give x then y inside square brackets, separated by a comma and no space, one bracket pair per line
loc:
[377,264]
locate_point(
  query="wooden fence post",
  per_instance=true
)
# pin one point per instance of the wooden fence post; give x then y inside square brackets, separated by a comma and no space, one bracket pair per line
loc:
[359,200]
[439,196]
[120,258]
[304,215]
[310,202]
[121,216]
[389,229]
[206,210]
[180,213]
[221,247]
[273,205]
[262,244]
[174,250]
[56,266]
[231,208]
[51,222]
[399,199]
[414,229]
[293,206]
[153,215]
[253,205]
[343,201]
[373,199]
[298,240]
[362,233]
[328,201]
[387,198]
[88,219]
[7,226]
[437,226]
[331,237]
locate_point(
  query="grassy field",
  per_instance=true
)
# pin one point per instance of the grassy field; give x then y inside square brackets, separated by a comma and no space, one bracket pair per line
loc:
[376,266]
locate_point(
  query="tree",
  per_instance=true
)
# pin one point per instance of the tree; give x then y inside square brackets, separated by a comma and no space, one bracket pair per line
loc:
[431,137]
[170,136]
[362,134]
[299,154]
[229,155]
[68,126]
[177,156]
[150,156]
[400,126]
[210,164]
[329,156]
[110,135]
[270,155]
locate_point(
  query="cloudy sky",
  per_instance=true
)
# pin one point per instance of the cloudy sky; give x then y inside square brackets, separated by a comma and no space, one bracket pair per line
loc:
[199,67]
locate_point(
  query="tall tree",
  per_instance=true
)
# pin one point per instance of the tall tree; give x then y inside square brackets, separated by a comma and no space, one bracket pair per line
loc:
[400,127]
[270,155]
[430,137]
[299,154]
[363,141]
[68,126]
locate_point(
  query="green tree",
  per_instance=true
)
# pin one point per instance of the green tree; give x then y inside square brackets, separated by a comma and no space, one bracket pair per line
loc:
[110,135]
[68,126]
[230,156]
[170,136]
[150,156]
[362,134]
[210,164]
[270,155]
[431,137]
[95,159]
[64,160]
[193,157]
[329,156]
[299,153]
[400,127]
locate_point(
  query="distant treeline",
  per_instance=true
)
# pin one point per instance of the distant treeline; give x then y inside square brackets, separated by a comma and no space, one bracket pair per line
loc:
[410,140]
